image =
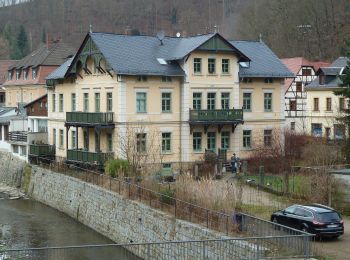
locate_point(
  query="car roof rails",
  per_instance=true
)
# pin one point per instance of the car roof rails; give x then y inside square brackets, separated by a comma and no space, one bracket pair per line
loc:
[321,206]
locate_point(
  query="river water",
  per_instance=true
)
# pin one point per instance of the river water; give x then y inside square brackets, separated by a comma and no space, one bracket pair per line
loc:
[25,223]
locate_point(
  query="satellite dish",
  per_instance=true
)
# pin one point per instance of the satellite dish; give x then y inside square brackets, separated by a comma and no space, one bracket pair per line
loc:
[161,36]
[178,34]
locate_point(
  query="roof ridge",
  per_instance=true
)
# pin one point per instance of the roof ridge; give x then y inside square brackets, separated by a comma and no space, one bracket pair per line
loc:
[152,36]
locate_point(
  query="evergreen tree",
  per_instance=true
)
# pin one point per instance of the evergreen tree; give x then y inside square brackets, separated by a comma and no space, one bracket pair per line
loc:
[345,92]
[43,36]
[22,42]
[11,42]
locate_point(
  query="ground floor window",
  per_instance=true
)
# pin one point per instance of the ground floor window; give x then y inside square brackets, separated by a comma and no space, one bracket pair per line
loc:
[23,150]
[292,126]
[316,130]
[110,142]
[166,142]
[211,141]
[339,132]
[247,138]
[225,140]
[267,138]
[61,138]
[141,143]
[73,139]
[15,148]
[197,141]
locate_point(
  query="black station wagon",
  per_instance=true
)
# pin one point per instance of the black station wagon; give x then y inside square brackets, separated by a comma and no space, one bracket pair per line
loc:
[316,219]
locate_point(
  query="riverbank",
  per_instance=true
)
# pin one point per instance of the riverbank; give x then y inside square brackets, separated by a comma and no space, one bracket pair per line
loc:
[109,213]
[11,192]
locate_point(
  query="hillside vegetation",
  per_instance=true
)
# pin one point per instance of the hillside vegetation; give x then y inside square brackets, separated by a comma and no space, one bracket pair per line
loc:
[316,29]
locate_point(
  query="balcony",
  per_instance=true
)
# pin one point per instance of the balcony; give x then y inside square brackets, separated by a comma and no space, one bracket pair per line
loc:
[42,150]
[90,119]
[219,117]
[88,157]
[18,137]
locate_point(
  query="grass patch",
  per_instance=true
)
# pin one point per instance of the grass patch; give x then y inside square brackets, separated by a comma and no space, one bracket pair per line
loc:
[260,211]
[297,183]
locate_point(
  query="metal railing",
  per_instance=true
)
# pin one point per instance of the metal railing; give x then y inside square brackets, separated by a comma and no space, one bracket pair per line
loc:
[88,157]
[18,136]
[216,115]
[90,118]
[42,150]
[236,223]
[236,248]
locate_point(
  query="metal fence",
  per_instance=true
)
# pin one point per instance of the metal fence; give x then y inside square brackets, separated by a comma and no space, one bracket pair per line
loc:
[235,224]
[238,248]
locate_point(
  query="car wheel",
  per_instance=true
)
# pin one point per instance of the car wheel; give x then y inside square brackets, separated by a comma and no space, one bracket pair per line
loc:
[304,229]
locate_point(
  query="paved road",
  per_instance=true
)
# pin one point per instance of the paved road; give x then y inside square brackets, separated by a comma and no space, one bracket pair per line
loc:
[336,248]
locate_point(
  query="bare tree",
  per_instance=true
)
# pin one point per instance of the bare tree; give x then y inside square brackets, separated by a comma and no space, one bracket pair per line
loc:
[141,147]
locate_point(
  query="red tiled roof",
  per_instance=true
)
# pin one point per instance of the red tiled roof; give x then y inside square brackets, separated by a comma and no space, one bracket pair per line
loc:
[4,64]
[295,64]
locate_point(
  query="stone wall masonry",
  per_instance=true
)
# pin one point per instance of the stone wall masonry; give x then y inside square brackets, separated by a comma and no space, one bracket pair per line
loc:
[112,215]
[116,217]
[11,169]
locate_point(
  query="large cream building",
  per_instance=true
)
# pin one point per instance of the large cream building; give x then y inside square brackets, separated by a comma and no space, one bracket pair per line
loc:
[165,99]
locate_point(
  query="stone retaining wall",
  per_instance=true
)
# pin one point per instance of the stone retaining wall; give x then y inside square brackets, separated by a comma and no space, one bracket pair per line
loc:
[118,218]
[11,169]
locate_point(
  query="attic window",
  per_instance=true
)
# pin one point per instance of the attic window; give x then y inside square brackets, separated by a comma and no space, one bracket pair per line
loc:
[162,61]
[9,76]
[18,74]
[244,64]
[306,72]
[34,72]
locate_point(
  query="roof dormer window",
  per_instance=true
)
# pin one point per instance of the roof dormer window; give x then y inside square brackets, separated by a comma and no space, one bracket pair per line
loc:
[25,74]
[9,75]
[322,79]
[18,74]
[34,73]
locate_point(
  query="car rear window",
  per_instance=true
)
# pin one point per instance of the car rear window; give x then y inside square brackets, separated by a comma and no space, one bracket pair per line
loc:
[328,216]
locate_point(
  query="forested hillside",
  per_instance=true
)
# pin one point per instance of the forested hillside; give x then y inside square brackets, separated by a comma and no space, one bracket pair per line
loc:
[316,29]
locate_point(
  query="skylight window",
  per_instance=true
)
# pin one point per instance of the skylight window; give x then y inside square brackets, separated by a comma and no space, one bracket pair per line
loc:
[244,64]
[162,61]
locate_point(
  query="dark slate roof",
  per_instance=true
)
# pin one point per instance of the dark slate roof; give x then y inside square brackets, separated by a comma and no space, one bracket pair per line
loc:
[331,70]
[61,71]
[54,56]
[264,63]
[341,62]
[315,84]
[135,55]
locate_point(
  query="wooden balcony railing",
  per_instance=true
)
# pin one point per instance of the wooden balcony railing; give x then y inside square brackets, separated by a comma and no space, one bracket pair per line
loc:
[88,157]
[217,115]
[89,118]
[17,136]
[42,150]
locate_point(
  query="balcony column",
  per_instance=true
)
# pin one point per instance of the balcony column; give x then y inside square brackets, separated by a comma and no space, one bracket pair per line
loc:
[97,139]
[76,138]
[67,131]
